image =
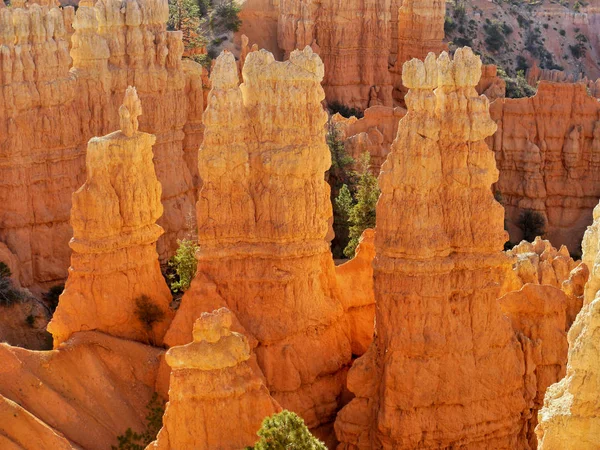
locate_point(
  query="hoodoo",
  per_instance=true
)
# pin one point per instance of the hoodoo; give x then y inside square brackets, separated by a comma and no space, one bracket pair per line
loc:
[445,368]
[115,284]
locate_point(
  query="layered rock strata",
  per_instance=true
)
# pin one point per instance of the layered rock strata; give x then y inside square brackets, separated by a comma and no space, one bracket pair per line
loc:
[547,150]
[115,284]
[263,220]
[353,40]
[211,380]
[420,31]
[490,84]
[445,368]
[49,112]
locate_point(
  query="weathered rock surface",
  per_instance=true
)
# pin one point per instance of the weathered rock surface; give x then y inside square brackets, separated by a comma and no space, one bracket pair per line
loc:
[490,84]
[48,113]
[373,133]
[445,368]
[215,398]
[540,263]
[591,257]
[24,322]
[87,391]
[115,284]
[420,31]
[570,418]
[263,218]
[548,150]
[355,279]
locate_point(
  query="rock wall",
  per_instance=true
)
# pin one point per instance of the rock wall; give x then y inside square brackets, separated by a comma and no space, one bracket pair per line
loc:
[353,40]
[490,84]
[115,284]
[211,381]
[548,150]
[51,105]
[420,31]
[263,219]
[570,418]
[373,133]
[40,154]
[87,392]
[441,339]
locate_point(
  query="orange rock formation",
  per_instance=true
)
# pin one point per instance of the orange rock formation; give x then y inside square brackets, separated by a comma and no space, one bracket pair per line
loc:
[548,151]
[115,284]
[490,84]
[215,398]
[373,133]
[355,279]
[420,31]
[263,218]
[570,418]
[87,392]
[48,113]
[445,368]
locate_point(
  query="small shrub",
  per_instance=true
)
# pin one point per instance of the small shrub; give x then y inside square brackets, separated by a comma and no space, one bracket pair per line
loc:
[203,59]
[494,39]
[51,297]
[506,29]
[184,264]
[562,32]
[134,441]
[345,111]
[516,87]
[9,295]
[286,431]
[532,223]
[449,25]
[30,319]
[460,11]
[148,313]
[227,15]
[577,50]
[521,64]
[545,25]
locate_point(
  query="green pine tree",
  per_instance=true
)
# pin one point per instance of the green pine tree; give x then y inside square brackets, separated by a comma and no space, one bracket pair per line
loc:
[362,215]
[286,431]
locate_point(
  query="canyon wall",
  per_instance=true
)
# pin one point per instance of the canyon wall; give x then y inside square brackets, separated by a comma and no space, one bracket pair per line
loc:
[115,284]
[441,339]
[570,418]
[263,229]
[548,151]
[52,105]
[363,43]
[213,391]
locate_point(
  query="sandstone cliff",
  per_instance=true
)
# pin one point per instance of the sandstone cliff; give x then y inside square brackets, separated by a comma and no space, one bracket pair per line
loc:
[569,419]
[441,339]
[115,284]
[49,112]
[86,392]
[215,398]
[548,150]
[263,215]
[355,279]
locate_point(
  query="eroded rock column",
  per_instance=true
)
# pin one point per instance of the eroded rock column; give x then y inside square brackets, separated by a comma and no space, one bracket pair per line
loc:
[445,368]
[263,215]
[115,284]
[216,400]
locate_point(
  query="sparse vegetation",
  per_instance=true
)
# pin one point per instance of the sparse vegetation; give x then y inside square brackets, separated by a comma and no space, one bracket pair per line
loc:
[134,441]
[532,223]
[339,176]
[361,212]
[226,16]
[52,295]
[9,295]
[516,87]
[345,111]
[286,431]
[148,313]
[183,265]
[495,36]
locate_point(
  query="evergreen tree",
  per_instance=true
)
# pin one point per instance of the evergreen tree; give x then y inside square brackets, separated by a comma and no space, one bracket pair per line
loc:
[362,214]
[186,16]
[286,431]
